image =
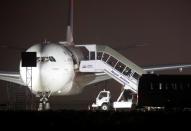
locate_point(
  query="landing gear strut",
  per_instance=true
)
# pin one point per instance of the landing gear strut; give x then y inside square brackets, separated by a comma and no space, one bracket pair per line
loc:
[44,103]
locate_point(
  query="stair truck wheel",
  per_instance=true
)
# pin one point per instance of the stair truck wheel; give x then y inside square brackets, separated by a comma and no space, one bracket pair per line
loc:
[105,107]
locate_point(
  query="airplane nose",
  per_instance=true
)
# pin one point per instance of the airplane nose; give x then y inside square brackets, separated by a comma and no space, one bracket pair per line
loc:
[54,71]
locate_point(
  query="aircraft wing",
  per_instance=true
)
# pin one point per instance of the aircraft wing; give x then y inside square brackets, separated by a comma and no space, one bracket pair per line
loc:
[166,67]
[89,79]
[13,77]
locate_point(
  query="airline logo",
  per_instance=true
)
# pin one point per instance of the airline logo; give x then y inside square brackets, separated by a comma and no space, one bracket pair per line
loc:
[46,59]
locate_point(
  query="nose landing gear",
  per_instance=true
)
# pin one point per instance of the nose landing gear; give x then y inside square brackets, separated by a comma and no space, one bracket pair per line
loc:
[44,103]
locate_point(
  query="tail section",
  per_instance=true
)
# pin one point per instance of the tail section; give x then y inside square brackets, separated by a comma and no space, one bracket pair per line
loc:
[69,35]
[69,31]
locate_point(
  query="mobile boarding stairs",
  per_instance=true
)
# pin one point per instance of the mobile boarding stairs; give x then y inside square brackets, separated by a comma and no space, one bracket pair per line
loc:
[103,59]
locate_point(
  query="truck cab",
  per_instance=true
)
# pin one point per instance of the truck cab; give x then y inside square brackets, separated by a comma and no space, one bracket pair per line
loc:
[102,100]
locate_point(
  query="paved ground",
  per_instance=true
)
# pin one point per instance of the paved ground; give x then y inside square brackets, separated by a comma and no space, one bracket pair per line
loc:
[68,118]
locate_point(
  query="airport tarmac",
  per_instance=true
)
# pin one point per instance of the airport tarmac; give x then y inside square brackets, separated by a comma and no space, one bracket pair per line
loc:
[66,118]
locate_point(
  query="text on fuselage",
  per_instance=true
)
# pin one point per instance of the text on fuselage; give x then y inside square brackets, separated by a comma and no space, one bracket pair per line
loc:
[46,59]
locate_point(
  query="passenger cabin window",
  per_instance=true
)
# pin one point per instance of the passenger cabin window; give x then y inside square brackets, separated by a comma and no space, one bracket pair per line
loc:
[92,55]
[127,71]
[120,66]
[112,61]
[105,57]
[136,76]
[99,55]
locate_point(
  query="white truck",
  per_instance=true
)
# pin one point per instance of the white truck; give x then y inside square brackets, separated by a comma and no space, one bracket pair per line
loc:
[103,101]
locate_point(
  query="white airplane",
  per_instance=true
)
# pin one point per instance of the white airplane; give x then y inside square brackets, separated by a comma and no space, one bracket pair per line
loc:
[65,68]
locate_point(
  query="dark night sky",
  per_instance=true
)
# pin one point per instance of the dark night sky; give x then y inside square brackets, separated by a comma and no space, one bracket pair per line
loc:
[162,25]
